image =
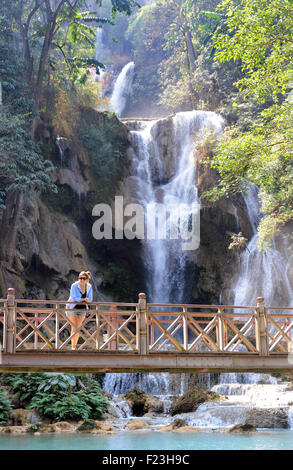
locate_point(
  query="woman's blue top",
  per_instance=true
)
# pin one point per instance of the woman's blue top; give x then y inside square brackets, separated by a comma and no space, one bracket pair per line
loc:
[76,293]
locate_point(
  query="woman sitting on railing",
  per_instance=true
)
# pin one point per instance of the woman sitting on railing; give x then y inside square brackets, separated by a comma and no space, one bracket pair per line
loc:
[80,291]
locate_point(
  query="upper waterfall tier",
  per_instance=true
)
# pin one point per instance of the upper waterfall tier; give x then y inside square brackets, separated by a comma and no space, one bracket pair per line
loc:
[163,180]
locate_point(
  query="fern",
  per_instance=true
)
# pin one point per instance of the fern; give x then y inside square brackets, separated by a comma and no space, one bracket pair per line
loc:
[5,407]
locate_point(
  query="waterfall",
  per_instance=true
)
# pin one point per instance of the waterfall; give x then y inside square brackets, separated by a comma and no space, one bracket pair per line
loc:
[261,273]
[122,87]
[168,177]
[99,53]
[169,180]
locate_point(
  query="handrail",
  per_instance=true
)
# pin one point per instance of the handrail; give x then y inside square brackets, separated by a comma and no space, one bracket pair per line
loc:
[147,328]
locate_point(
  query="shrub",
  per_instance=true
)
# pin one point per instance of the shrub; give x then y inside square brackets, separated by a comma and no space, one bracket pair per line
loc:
[5,407]
[64,396]
[24,386]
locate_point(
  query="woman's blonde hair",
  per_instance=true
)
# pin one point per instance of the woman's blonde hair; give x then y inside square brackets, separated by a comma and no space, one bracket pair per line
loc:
[85,273]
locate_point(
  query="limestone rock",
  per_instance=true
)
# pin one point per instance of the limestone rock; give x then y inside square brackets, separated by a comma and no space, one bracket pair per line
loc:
[60,426]
[243,428]
[271,418]
[136,399]
[153,405]
[175,426]
[14,429]
[87,425]
[135,424]
[21,417]
[95,427]
[191,400]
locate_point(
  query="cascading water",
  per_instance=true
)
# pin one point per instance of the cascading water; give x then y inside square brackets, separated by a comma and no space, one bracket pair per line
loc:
[261,273]
[249,396]
[170,183]
[122,87]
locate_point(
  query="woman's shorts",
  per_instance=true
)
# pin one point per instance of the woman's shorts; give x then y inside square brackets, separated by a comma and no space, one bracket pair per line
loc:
[76,314]
[79,311]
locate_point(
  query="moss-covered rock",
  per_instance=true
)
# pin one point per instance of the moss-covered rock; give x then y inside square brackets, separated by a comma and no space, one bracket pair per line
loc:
[191,400]
[178,423]
[87,425]
[240,428]
[136,399]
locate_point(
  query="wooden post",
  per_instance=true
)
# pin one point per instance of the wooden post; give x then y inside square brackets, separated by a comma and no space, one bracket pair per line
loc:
[289,343]
[9,323]
[261,328]
[143,324]
[57,327]
[114,343]
[221,330]
[185,329]
[36,334]
[98,333]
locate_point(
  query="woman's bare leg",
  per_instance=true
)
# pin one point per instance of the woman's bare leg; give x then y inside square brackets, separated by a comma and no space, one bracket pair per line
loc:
[77,321]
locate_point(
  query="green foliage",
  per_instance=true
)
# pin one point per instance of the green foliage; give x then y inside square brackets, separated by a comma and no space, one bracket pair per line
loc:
[107,154]
[21,164]
[24,386]
[259,35]
[5,407]
[48,29]
[62,396]
[12,72]
[34,427]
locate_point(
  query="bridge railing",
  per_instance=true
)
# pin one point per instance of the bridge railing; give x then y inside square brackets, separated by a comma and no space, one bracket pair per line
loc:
[147,328]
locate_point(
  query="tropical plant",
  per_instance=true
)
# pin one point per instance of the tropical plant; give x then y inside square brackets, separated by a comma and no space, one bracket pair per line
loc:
[5,407]
[63,396]
[24,386]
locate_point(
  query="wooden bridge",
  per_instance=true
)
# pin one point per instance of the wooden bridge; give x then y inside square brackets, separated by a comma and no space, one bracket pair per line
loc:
[144,337]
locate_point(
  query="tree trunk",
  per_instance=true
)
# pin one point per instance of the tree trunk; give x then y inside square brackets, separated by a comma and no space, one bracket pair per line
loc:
[190,49]
[8,228]
[42,65]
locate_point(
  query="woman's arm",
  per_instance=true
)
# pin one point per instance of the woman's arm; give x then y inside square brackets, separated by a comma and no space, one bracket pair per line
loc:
[75,293]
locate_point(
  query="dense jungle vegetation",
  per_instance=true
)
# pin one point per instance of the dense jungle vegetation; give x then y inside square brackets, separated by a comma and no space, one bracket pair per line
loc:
[234,57]
[57,397]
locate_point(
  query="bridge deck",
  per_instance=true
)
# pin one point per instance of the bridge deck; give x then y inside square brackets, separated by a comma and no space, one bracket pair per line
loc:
[97,362]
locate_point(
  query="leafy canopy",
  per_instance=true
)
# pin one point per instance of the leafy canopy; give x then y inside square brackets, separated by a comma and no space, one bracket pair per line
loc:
[259,36]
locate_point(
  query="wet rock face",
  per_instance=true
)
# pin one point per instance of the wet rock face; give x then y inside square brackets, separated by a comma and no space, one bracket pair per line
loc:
[271,418]
[21,417]
[50,251]
[54,238]
[243,428]
[136,399]
[191,400]
[140,403]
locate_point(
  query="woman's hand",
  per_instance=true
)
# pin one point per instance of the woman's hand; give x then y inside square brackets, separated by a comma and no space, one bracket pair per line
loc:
[87,300]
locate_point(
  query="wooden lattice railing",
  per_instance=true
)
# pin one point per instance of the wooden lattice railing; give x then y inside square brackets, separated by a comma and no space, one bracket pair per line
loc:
[143,328]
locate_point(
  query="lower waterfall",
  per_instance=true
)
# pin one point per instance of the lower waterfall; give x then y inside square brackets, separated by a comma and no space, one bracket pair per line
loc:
[247,397]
